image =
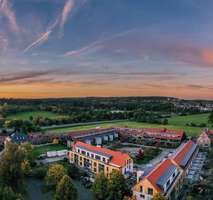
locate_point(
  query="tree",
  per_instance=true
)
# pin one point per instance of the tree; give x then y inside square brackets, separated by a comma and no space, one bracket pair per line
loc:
[65,189]
[117,186]
[189,198]
[211,118]
[11,171]
[158,196]
[25,166]
[100,187]
[54,174]
[7,193]
[27,148]
[73,171]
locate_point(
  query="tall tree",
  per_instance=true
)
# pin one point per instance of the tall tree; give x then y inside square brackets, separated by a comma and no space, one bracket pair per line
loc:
[117,186]
[54,174]
[7,193]
[100,187]
[11,171]
[158,196]
[65,189]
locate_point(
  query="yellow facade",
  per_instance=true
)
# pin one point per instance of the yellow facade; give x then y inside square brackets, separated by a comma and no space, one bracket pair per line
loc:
[96,166]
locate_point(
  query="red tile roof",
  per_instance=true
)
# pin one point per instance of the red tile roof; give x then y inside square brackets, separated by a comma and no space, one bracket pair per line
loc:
[157,133]
[118,158]
[165,133]
[182,151]
[209,132]
[157,172]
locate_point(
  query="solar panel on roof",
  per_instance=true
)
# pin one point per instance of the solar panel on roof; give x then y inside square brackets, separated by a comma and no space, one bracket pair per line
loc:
[187,157]
[164,178]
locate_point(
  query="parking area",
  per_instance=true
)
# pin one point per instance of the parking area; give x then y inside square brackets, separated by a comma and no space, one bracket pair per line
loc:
[196,167]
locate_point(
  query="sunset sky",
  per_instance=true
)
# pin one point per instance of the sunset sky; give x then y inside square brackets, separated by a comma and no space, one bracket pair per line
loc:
[70,48]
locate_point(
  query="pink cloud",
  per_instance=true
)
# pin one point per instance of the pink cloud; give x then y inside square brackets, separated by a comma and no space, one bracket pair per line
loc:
[5,8]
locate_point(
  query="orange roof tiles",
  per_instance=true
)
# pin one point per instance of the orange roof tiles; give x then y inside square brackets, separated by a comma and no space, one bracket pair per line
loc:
[157,172]
[118,158]
[181,153]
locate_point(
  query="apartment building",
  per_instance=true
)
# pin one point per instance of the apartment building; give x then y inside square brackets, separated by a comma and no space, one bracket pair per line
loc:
[204,141]
[165,178]
[184,155]
[154,135]
[97,159]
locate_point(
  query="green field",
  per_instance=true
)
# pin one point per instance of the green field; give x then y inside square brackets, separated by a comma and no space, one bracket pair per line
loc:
[176,123]
[34,114]
[183,120]
[37,151]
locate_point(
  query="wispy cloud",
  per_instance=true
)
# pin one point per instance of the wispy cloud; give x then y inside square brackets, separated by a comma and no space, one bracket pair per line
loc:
[6,10]
[96,45]
[43,38]
[91,47]
[68,7]
[59,23]
[23,76]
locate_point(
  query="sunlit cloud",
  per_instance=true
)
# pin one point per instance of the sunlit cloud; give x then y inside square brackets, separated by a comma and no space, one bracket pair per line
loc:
[208,56]
[68,7]
[6,10]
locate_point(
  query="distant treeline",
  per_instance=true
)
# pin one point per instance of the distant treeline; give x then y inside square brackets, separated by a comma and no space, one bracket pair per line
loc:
[142,109]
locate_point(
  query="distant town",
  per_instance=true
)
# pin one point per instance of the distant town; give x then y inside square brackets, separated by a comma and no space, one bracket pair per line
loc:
[135,148]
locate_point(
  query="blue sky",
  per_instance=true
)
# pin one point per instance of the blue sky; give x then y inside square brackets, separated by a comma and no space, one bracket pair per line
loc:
[62,48]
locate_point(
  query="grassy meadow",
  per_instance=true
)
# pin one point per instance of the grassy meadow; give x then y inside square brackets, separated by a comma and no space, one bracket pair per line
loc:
[176,123]
[34,114]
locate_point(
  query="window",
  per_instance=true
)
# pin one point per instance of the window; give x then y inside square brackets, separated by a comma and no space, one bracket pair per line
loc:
[168,182]
[95,164]
[107,168]
[142,196]
[150,191]
[78,151]
[141,188]
[97,157]
[80,158]
[173,175]
[95,170]
[92,155]
[104,160]
[83,152]
[87,154]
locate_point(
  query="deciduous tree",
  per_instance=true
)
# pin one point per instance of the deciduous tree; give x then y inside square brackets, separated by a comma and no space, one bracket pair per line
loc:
[117,186]
[54,174]
[65,189]
[100,187]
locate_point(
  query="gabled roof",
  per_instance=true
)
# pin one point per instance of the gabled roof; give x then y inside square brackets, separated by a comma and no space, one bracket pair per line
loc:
[203,138]
[18,137]
[209,132]
[184,153]
[164,133]
[116,157]
[160,174]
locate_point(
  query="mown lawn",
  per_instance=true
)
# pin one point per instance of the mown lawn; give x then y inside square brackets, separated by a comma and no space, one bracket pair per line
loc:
[34,114]
[37,151]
